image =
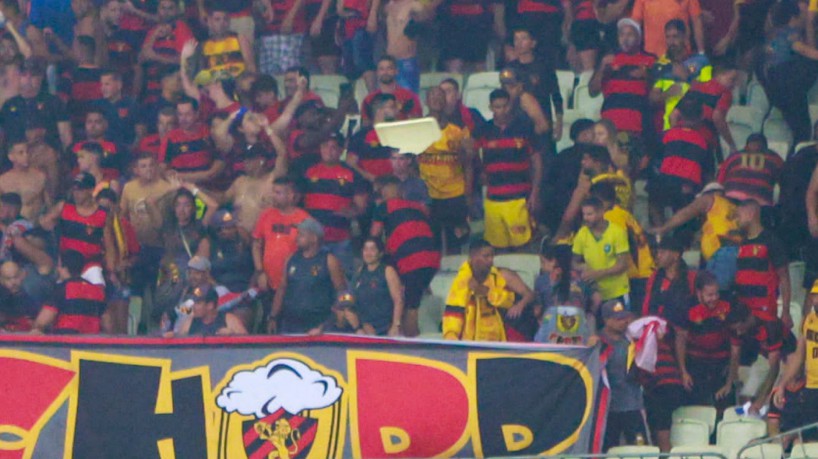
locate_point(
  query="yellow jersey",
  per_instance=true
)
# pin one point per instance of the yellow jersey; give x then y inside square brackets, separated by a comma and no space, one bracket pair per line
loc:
[810,334]
[719,225]
[622,185]
[602,253]
[441,167]
[223,55]
[472,317]
[641,260]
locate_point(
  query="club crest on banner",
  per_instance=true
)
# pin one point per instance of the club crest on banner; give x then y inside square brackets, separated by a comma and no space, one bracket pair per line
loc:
[284,407]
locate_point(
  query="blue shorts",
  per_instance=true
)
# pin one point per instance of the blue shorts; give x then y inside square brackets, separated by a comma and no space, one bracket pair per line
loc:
[358,54]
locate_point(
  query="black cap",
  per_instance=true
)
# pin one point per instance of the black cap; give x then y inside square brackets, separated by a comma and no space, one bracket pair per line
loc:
[671,243]
[85,181]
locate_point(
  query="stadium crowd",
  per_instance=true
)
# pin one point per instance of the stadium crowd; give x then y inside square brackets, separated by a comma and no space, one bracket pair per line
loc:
[171,157]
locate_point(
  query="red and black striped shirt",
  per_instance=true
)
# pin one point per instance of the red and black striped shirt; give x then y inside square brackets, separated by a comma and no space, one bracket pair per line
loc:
[78,88]
[167,46]
[769,336]
[751,176]
[685,156]
[373,157]
[187,151]
[79,305]
[409,238]
[756,276]
[708,335]
[123,47]
[82,233]
[712,95]
[583,10]
[539,6]
[626,97]
[506,156]
[330,188]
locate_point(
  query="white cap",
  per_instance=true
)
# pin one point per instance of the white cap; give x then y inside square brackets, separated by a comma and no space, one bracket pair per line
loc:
[628,22]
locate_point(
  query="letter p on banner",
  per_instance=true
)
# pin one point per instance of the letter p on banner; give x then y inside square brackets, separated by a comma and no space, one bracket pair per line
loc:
[404,406]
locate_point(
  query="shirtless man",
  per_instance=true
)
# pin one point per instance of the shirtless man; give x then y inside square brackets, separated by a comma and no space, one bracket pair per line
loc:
[44,158]
[401,37]
[25,180]
[252,193]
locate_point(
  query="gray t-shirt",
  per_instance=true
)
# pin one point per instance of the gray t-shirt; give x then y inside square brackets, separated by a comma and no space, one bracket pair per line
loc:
[626,393]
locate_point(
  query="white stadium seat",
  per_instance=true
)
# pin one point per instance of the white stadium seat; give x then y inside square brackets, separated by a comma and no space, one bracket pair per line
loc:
[698,452]
[689,432]
[734,435]
[637,450]
[477,90]
[328,87]
[705,414]
[765,451]
[804,451]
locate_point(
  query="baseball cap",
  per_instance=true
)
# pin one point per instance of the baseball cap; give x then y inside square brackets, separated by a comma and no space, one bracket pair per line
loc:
[614,309]
[85,181]
[711,187]
[223,219]
[628,22]
[312,226]
[204,293]
[199,263]
[509,76]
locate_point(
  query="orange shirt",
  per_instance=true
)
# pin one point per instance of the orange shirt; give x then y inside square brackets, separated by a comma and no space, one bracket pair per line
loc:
[277,231]
[654,14]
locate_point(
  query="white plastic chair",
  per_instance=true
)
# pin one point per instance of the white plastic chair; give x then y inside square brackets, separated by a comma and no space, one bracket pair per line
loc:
[782,148]
[757,97]
[328,87]
[813,114]
[804,451]
[777,131]
[699,452]
[730,414]
[483,80]
[361,91]
[803,145]
[689,432]
[591,106]
[565,80]
[692,258]
[765,451]
[451,263]
[733,435]
[527,266]
[568,119]
[626,450]
[702,413]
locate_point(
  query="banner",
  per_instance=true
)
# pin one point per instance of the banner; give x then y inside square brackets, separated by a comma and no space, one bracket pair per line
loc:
[293,397]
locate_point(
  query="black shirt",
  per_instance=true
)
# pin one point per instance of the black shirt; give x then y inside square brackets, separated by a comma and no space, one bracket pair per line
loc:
[540,80]
[18,112]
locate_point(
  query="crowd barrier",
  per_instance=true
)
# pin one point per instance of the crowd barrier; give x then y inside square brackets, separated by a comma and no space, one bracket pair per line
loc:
[295,397]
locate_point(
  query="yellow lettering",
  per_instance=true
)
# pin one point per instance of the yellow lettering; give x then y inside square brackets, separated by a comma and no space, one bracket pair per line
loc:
[517,437]
[166,449]
[395,440]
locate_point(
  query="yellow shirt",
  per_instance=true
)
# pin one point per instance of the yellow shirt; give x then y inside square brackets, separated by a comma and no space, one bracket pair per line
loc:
[720,223]
[813,6]
[810,334]
[475,318]
[440,165]
[641,265]
[622,185]
[602,254]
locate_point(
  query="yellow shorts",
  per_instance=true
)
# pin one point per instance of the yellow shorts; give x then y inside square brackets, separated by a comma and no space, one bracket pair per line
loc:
[508,223]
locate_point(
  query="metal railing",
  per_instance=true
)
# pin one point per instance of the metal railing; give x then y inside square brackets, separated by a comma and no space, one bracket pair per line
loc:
[799,432]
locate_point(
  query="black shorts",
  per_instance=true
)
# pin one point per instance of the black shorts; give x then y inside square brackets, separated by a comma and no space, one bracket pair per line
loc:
[324,44]
[415,284]
[660,403]
[450,216]
[464,38]
[708,378]
[586,35]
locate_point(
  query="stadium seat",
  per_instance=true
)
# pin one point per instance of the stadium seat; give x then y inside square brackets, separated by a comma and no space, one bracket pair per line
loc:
[568,119]
[527,266]
[431,79]
[634,451]
[733,435]
[328,87]
[583,101]
[477,90]
[430,314]
[699,452]
[743,121]
[777,131]
[693,258]
[803,145]
[689,432]
[765,451]
[804,450]
[756,97]
[705,414]
[360,91]
[730,414]
[565,80]
[451,263]
[813,114]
